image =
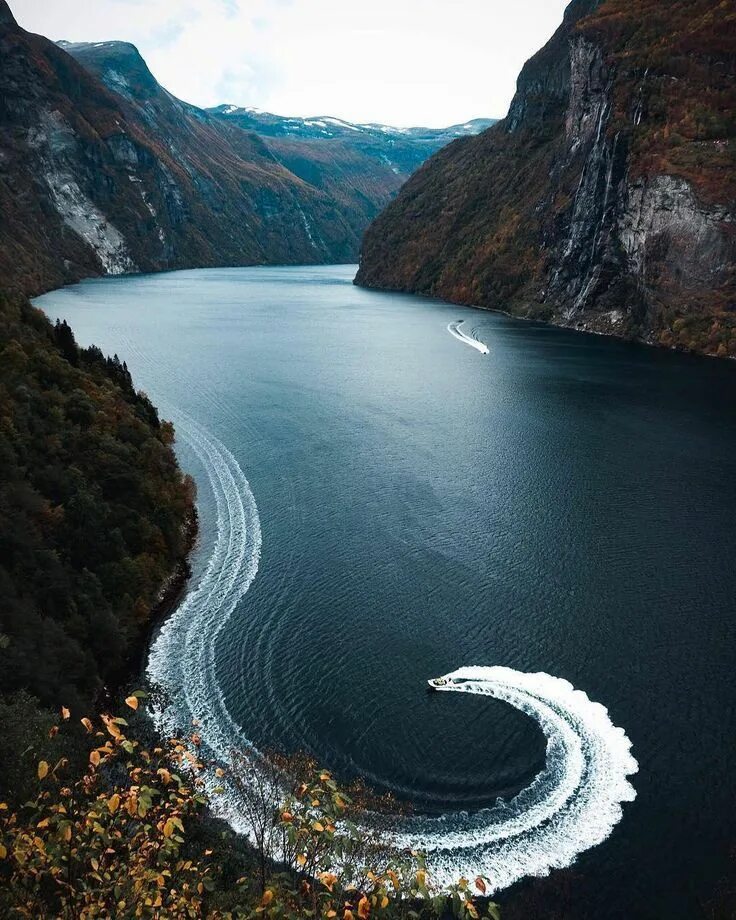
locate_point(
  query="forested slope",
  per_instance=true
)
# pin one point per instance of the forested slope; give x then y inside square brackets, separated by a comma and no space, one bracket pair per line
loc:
[93,510]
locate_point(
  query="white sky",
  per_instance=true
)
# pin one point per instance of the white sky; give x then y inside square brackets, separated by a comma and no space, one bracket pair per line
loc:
[400,62]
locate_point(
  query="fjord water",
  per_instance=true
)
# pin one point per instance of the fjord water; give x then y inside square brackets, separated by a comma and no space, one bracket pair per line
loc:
[564,504]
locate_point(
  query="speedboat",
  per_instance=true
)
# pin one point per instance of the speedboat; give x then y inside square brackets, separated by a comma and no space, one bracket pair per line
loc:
[438,683]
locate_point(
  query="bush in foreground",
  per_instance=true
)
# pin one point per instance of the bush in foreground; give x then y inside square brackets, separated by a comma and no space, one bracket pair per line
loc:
[114,839]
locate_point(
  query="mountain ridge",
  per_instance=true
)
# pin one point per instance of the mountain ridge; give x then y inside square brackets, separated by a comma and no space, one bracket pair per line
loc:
[605,199]
[103,171]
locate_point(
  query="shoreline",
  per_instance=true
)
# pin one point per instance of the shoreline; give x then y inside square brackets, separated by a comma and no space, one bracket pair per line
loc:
[581,328]
[172,592]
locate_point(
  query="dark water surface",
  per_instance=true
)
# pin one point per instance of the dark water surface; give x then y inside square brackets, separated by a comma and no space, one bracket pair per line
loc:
[566,504]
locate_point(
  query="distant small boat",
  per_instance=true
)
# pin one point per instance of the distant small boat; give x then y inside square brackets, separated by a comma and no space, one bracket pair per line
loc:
[437,683]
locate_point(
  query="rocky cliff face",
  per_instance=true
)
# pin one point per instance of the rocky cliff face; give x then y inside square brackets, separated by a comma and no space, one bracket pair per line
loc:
[117,175]
[103,171]
[606,200]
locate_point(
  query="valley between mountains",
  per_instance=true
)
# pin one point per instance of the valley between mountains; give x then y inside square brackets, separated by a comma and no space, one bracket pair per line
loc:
[103,171]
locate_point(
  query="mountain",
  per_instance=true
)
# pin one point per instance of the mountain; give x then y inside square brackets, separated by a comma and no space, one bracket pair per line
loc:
[605,200]
[395,152]
[104,171]
[319,127]
[98,180]
[358,167]
[361,167]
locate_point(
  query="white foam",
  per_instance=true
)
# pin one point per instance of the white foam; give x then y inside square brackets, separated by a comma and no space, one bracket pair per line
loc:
[182,658]
[454,329]
[572,805]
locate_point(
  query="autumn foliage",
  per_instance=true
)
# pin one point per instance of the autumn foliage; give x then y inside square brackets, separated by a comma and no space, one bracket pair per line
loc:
[113,839]
[106,843]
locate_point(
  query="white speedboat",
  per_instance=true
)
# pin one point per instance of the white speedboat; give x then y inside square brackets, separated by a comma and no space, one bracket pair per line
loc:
[437,683]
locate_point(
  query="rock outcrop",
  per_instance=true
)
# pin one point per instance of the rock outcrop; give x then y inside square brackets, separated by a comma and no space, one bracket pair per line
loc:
[605,200]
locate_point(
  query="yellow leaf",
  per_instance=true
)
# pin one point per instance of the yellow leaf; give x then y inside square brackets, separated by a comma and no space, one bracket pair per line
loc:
[132,701]
[421,878]
[301,859]
[113,729]
[348,915]
[267,897]
[324,776]
[87,724]
[384,902]
[113,803]
[3,851]
[364,908]
[318,827]
[43,769]
[94,758]
[66,834]
[65,713]
[394,879]
[169,828]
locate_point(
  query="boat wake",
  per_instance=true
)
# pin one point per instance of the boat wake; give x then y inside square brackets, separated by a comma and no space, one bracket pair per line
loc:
[182,659]
[454,329]
[572,805]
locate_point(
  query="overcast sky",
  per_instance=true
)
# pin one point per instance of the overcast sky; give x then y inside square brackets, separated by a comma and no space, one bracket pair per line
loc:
[400,62]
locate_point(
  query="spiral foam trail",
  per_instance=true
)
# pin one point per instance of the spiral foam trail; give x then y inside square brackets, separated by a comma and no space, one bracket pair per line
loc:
[572,805]
[454,330]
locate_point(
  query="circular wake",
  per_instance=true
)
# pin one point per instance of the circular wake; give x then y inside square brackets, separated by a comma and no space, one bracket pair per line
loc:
[572,805]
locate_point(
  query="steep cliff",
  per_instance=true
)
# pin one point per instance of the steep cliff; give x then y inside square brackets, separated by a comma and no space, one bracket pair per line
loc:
[99,180]
[103,171]
[605,200]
